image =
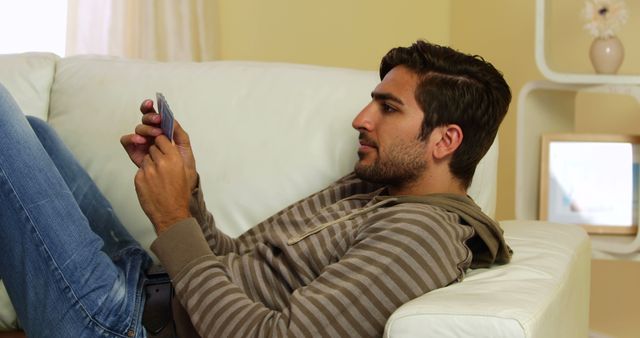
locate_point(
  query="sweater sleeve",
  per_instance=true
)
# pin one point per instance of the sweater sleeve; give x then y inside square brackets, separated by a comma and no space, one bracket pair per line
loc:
[393,261]
[219,242]
[222,244]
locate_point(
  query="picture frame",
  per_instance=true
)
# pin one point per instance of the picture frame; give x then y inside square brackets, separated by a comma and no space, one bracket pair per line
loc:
[591,180]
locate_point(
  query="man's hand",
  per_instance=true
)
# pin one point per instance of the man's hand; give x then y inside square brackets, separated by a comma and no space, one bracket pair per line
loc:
[137,145]
[162,185]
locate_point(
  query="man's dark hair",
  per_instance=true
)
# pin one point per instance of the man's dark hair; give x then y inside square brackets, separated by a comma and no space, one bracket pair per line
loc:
[455,88]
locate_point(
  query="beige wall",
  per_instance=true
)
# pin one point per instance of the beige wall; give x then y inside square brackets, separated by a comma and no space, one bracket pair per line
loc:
[343,33]
[615,298]
[502,31]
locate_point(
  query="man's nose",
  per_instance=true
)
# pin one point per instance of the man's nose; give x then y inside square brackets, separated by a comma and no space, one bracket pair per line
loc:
[364,119]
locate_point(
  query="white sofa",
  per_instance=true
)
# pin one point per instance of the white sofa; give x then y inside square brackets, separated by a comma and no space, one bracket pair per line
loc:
[267,134]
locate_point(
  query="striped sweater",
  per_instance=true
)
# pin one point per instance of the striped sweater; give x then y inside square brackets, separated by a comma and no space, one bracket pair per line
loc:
[335,264]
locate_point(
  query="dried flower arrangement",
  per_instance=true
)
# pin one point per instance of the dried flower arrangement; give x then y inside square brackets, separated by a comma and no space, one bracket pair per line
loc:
[604,17]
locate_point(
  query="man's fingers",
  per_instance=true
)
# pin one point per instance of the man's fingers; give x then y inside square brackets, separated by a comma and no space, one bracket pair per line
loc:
[147,162]
[132,140]
[177,127]
[179,135]
[155,153]
[163,143]
[151,118]
[147,130]
[147,107]
[126,140]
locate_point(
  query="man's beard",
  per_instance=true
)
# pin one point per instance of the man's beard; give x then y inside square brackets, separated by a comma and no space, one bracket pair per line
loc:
[400,165]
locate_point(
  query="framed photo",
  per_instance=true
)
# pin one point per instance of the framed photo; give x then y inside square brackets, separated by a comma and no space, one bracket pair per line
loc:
[591,180]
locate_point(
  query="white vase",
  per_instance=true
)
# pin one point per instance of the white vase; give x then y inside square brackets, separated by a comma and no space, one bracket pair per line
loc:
[606,55]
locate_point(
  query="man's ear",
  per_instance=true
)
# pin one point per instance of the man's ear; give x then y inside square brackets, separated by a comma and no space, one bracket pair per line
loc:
[450,140]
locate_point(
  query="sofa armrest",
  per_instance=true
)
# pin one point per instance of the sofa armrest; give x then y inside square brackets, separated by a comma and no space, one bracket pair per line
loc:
[543,292]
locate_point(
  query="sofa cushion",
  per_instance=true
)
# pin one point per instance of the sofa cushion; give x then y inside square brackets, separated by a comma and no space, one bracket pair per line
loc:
[28,77]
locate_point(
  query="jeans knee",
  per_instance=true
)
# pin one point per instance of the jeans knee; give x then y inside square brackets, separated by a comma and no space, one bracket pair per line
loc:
[41,128]
[37,123]
[7,102]
[4,92]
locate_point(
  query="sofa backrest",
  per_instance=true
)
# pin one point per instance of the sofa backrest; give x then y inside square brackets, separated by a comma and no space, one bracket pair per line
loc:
[264,134]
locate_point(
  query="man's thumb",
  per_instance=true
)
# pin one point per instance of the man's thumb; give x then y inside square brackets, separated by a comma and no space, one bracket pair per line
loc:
[180,137]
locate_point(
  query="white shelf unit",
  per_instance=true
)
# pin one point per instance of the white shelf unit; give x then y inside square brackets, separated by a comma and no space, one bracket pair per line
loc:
[549,107]
[564,77]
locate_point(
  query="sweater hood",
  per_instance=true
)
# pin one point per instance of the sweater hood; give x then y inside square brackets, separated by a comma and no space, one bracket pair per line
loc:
[487,245]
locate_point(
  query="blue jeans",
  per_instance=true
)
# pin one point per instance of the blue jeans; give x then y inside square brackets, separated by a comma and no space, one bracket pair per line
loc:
[70,267]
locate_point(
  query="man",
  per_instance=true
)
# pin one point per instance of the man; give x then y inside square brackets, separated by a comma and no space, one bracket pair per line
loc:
[337,263]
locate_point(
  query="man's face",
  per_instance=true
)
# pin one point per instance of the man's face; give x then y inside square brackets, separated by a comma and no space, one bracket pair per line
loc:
[390,151]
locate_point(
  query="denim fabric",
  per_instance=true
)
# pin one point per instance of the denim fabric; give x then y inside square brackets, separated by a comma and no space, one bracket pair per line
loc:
[70,267]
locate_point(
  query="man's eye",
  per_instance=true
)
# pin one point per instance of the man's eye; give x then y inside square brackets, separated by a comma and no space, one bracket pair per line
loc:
[387,108]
